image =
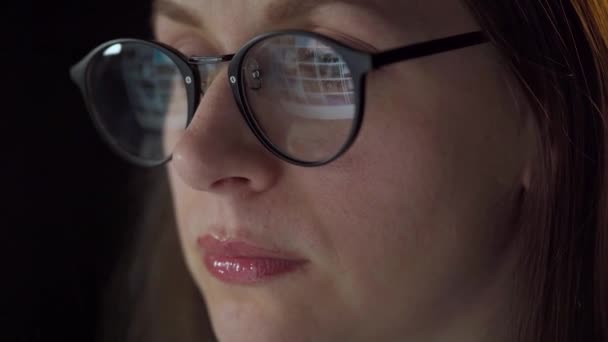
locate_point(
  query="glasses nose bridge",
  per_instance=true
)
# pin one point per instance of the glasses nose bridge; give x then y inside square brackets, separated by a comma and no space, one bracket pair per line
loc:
[208,68]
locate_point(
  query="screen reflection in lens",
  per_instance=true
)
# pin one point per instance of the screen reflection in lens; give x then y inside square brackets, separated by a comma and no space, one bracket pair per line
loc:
[301,94]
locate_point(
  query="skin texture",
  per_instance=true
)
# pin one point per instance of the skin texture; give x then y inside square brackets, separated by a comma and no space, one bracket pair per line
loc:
[410,235]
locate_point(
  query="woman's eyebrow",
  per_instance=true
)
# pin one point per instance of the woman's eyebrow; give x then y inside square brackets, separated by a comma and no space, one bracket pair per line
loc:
[275,11]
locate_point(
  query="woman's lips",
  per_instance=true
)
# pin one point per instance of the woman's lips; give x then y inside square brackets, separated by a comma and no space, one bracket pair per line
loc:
[235,261]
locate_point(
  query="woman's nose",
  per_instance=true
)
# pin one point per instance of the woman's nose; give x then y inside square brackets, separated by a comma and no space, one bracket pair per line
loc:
[219,153]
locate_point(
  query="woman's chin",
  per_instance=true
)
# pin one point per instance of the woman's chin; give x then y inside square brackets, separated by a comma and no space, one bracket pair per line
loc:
[238,322]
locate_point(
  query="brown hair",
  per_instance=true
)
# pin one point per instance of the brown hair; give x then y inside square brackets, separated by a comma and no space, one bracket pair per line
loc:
[558,49]
[151,296]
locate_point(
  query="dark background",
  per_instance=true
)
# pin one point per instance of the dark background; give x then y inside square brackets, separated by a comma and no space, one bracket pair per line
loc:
[64,193]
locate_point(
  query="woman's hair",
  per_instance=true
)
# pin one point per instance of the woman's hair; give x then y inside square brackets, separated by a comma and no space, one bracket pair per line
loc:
[151,296]
[558,50]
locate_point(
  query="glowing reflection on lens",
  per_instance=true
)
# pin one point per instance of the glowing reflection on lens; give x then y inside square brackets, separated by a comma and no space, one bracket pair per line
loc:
[113,50]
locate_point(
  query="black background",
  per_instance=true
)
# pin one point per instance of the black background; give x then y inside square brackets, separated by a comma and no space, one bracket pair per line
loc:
[64,193]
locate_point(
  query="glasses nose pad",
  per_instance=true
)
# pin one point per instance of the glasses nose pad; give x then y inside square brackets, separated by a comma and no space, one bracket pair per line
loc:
[254,75]
[256,80]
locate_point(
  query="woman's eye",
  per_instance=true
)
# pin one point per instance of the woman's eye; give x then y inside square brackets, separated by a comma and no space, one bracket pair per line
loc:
[329,58]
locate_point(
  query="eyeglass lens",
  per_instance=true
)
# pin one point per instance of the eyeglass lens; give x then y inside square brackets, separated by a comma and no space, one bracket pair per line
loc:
[139,98]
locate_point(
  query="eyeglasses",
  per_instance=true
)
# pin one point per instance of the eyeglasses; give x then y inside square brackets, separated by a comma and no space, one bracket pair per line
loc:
[300,93]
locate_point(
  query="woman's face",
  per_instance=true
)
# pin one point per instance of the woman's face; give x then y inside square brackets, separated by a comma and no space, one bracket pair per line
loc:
[407,235]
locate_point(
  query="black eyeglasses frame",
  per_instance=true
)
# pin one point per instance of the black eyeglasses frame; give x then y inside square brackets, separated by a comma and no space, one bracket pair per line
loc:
[359,63]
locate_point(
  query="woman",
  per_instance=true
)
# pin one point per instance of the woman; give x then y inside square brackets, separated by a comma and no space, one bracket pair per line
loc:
[471,204]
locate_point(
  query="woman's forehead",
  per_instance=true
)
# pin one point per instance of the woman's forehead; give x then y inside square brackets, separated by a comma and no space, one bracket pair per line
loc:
[383,23]
[271,10]
[411,13]
[227,24]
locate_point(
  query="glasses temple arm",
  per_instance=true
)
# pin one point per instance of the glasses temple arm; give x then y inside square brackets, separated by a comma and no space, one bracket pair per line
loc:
[427,48]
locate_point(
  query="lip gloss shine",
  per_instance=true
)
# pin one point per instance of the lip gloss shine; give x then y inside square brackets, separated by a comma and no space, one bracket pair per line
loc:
[242,263]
